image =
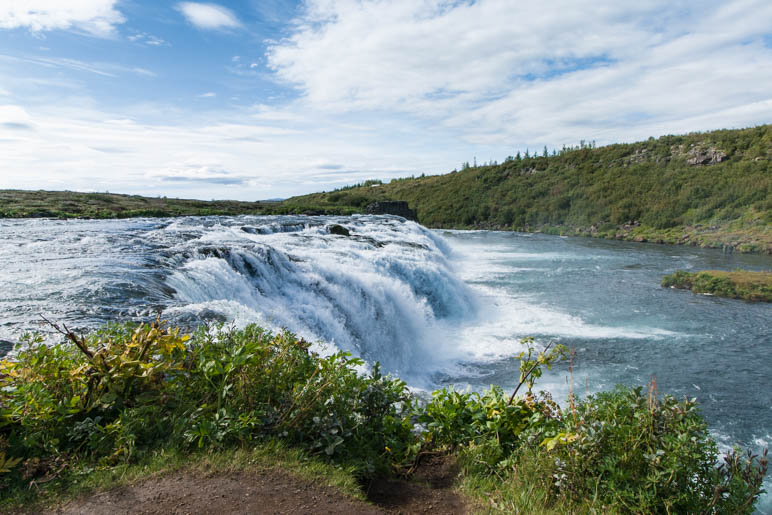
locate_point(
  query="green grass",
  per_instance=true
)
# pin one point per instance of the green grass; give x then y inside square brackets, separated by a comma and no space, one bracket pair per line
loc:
[522,487]
[738,284]
[71,204]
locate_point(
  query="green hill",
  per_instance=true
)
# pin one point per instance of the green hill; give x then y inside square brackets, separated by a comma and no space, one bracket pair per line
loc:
[709,189]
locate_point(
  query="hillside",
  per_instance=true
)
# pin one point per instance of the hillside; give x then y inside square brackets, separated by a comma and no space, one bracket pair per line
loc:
[709,189]
[70,204]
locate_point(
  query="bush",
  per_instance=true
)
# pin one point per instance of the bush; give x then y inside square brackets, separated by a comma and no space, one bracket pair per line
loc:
[128,391]
[650,455]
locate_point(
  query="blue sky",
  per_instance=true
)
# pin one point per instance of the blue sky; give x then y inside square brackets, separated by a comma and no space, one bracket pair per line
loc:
[270,98]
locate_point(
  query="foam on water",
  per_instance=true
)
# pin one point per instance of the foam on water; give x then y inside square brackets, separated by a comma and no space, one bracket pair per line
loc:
[390,292]
[387,292]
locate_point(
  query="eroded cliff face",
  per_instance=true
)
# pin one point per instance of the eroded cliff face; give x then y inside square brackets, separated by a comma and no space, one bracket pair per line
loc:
[399,208]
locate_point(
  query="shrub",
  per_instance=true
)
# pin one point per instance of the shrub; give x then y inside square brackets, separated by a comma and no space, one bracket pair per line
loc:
[648,455]
[126,391]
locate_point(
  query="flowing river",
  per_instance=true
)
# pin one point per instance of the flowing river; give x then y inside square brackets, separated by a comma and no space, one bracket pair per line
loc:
[434,307]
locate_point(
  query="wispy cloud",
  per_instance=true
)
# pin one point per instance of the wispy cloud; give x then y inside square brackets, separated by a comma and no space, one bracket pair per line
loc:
[147,39]
[196,173]
[97,68]
[208,94]
[209,16]
[95,17]
[17,126]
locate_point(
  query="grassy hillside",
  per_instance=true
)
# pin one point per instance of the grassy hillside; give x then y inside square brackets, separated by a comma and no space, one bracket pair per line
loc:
[709,189]
[70,204]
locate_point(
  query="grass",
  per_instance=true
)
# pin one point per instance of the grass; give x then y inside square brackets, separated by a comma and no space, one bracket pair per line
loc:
[738,284]
[72,204]
[270,455]
[522,488]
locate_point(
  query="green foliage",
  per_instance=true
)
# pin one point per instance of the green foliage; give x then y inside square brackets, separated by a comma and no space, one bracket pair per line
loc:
[130,393]
[125,392]
[531,366]
[456,419]
[646,191]
[740,284]
[631,450]
[620,449]
[69,204]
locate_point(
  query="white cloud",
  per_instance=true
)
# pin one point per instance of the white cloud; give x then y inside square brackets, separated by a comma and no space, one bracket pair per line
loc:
[208,94]
[246,157]
[500,72]
[209,16]
[148,39]
[96,17]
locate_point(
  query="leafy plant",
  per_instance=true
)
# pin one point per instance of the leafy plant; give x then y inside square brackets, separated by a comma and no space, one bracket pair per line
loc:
[650,455]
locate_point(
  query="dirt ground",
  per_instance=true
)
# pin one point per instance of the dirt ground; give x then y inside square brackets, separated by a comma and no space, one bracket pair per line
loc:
[275,492]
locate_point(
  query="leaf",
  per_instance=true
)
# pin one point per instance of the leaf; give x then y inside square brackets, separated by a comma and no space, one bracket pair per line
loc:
[6,464]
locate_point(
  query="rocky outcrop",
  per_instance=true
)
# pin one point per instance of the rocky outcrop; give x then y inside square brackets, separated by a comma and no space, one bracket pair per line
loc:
[398,208]
[705,156]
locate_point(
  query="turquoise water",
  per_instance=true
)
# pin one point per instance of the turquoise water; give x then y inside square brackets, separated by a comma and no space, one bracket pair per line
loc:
[603,299]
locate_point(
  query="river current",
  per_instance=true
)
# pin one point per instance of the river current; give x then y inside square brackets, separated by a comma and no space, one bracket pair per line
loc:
[434,307]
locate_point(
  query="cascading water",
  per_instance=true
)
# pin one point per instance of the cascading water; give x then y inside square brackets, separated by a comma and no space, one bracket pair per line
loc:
[385,292]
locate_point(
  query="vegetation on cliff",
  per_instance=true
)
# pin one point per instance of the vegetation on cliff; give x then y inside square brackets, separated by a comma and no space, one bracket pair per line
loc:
[739,284]
[710,189]
[134,394]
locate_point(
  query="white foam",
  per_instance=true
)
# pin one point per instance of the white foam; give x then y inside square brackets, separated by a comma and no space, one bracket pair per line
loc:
[386,293]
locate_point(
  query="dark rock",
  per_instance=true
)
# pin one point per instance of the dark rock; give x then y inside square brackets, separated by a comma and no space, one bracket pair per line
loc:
[5,347]
[702,156]
[339,230]
[398,208]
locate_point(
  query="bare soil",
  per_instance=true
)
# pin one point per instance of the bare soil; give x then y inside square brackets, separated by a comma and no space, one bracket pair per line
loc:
[277,492]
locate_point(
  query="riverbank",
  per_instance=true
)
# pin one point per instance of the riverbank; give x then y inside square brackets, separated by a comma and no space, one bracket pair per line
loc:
[141,400]
[738,284]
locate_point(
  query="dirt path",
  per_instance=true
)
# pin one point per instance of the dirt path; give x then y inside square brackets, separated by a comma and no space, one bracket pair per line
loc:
[274,492]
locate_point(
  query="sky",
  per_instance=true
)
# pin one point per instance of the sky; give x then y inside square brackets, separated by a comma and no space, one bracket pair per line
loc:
[258,99]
